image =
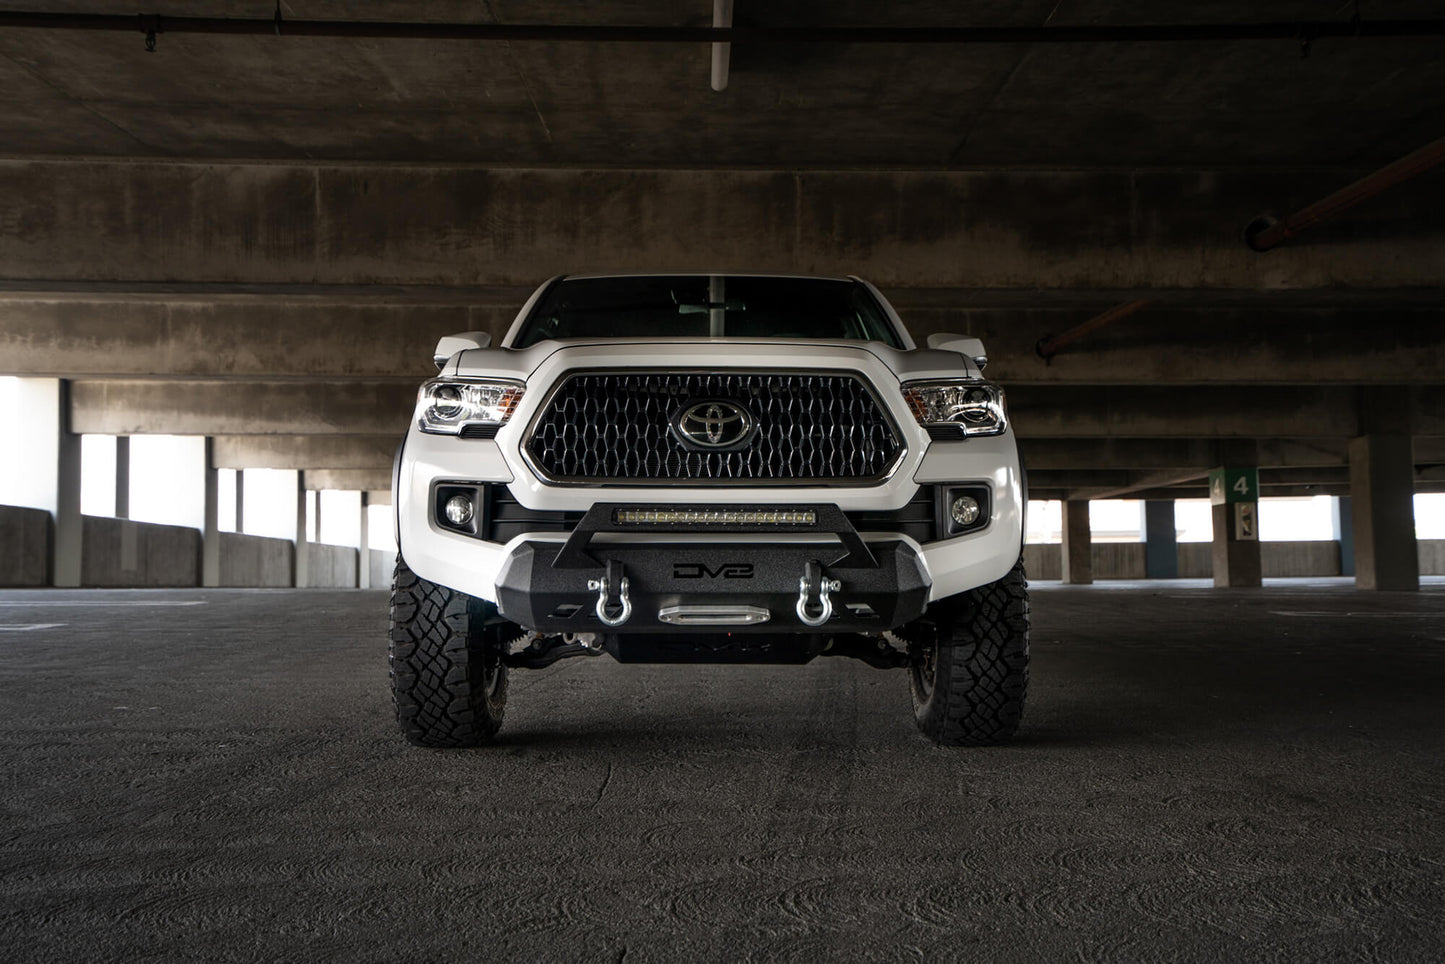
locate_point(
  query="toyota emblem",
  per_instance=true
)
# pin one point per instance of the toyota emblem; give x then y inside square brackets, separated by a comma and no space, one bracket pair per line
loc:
[713,424]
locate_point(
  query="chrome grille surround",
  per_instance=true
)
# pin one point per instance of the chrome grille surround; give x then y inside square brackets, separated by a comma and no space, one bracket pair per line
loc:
[815,427]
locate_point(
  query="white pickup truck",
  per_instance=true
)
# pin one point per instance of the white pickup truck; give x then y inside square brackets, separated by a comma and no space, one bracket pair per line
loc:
[709,468]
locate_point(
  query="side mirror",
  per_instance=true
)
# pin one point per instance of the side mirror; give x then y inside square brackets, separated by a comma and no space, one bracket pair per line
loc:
[963,344]
[449,345]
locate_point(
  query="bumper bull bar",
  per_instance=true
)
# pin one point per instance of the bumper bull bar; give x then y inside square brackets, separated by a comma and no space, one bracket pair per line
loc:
[821,578]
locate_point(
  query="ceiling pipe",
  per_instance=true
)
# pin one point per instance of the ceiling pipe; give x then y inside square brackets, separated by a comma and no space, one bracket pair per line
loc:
[722,16]
[156,24]
[1049,346]
[1264,233]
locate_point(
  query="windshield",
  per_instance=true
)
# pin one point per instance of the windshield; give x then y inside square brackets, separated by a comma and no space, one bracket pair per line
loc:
[703,306]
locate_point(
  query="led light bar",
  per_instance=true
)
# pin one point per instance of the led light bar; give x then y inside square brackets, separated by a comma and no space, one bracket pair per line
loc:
[731,517]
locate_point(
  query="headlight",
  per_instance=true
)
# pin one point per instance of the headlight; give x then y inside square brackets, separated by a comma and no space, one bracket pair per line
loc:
[444,406]
[961,407]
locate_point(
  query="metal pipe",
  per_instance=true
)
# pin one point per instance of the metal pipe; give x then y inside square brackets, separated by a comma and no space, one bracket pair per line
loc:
[552,33]
[722,16]
[1049,347]
[1264,233]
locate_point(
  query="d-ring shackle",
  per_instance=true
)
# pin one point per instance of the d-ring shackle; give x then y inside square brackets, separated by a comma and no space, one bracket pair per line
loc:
[603,589]
[813,575]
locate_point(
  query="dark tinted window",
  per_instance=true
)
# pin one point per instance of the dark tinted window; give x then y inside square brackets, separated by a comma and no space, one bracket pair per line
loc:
[699,306]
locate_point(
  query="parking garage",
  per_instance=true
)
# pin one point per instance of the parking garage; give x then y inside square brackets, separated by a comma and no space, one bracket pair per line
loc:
[1205,260]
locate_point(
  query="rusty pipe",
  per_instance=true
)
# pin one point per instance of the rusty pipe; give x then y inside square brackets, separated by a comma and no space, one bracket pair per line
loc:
[156,24]
[1049,345]
[1264,233]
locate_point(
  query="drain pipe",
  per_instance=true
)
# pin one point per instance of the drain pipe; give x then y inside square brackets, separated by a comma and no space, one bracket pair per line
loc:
[1264,233]
[1049,345]
[722,16]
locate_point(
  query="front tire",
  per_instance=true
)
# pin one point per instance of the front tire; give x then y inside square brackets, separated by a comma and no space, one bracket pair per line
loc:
[970,671]
[448,681]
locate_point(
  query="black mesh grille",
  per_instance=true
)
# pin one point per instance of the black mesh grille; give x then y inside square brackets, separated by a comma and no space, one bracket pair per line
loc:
[810,427]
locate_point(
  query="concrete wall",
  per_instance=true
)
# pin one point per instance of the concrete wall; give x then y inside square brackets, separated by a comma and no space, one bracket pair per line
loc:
[122,553]
[331,566]
[1299,559]
[25,537]
[1125,560]
[256,560]
[1432,557]
[1196,560]
[382,564]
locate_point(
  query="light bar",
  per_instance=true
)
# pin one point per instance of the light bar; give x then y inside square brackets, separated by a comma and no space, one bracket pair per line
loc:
[731,517]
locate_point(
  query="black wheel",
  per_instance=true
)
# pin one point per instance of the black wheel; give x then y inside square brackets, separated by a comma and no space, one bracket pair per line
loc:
[970,670]
[447,676]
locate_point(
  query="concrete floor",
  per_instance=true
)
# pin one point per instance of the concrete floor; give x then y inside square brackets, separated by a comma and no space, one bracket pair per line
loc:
[1202,775]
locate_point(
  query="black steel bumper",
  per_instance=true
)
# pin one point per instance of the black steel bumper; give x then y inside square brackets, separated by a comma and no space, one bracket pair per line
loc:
[680,585]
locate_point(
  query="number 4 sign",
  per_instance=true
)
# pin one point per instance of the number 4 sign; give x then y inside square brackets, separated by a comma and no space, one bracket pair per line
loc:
[1228,486]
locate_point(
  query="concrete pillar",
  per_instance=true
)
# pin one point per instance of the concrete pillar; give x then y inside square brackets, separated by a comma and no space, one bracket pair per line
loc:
[363,549]
[211,529]
[66,563]
[1234,498]
[1161,540]
[240,500]
[1382,490]
[122,476]
[1344,526]
[303,552]
[316,518]
[1078,547]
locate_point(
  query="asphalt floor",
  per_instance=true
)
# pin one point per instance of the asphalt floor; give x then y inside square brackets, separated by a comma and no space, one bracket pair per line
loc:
[1202,775]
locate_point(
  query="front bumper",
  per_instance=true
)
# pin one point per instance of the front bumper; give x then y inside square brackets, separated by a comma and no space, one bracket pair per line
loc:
[474,566]
[740,587]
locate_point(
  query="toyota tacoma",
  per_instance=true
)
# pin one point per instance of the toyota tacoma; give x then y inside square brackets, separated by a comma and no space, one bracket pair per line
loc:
[709,468]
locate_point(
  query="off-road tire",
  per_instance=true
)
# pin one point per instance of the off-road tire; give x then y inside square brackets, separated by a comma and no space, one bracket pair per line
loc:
[447,679]
[970,671]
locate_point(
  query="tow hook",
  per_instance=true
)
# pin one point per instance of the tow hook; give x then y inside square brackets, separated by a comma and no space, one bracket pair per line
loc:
[609,614]
[813,576]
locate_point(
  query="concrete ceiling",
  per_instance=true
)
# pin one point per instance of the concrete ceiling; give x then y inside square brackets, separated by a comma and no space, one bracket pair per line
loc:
[234,229]
[1216,104]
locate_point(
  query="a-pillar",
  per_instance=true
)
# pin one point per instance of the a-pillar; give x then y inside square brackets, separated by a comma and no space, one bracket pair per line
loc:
[1078,546]
[363,548]
[1161,540]
[1382,491]
[303,545]
[1234,494]
[211,531]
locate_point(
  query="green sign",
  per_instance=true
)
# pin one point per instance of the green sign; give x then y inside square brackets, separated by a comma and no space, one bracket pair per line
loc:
[1227,486]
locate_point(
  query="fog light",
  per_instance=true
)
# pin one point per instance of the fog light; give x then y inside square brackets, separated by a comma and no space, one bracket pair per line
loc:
[459,510]
[964,510]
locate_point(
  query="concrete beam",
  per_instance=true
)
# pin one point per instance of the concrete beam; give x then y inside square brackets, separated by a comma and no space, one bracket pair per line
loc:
[231,335]
[1180,344]
[350,334]
[305,451]
[1212,411]
[241,408]
[1058,454]
[348,480]
[345,407]
[157,221]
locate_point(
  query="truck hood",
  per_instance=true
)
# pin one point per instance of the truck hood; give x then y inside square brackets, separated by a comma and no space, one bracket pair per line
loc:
[708,352]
